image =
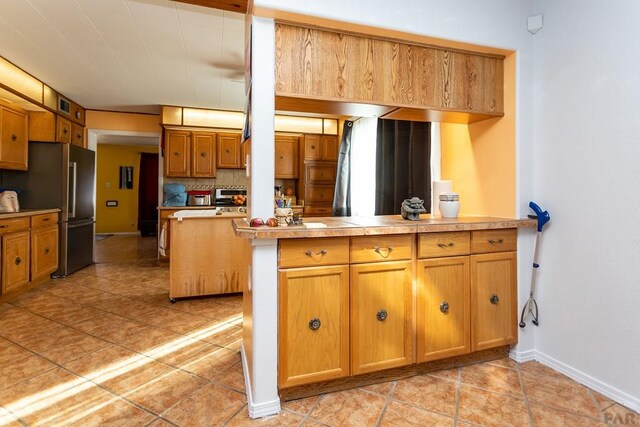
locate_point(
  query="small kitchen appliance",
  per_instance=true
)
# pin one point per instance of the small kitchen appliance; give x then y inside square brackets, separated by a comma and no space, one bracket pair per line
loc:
[199,198]
[224,195]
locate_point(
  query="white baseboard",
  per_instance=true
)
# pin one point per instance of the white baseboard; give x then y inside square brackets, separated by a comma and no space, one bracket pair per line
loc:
[257,410]
[522,356]
[612,393]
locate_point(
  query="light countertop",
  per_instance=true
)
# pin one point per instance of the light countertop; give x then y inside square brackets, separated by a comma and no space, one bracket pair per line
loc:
[26,212]
[377,225]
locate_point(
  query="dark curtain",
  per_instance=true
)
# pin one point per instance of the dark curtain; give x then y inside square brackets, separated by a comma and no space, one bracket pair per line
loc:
[148,193]
[342,197]
[403,164]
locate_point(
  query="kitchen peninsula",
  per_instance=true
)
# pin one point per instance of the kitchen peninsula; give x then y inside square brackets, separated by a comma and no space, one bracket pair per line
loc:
[368,299]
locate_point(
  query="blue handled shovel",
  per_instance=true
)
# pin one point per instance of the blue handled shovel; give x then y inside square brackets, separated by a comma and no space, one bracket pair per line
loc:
[531,306]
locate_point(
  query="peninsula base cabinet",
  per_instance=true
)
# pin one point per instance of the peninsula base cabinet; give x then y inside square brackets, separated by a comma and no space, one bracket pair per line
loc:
[338,320]
[15,260]
[313,325]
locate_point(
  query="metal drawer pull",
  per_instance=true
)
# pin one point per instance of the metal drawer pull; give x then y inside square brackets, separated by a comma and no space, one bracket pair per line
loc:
[382,315]
[18,260]
[444,245]
[320,254]
[45,219]
[314,324]
[493,299]
[46,250]
[379,250]
[496,242]
[444,307]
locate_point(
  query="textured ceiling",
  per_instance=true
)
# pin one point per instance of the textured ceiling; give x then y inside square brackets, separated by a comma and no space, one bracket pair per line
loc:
[128,55]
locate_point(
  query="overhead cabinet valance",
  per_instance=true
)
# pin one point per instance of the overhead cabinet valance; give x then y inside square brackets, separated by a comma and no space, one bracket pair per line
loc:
[330,66]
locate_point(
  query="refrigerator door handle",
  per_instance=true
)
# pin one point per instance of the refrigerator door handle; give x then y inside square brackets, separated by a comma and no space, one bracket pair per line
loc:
[73,175]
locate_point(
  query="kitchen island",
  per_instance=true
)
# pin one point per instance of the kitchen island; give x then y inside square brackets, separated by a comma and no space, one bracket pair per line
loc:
[369,299]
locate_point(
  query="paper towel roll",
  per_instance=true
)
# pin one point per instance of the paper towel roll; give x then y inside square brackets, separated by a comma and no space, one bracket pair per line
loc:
[438,188]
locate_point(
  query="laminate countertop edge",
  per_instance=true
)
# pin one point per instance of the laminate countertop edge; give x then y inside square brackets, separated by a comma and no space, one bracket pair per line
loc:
[26,212]
[377,225]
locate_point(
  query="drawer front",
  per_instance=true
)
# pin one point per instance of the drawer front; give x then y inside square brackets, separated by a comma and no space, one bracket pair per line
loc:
[10,225]
[380,248]
[319,195]
[313,252]
[435,245]
[321,174]
[318,211]
[487,241]
[44,219]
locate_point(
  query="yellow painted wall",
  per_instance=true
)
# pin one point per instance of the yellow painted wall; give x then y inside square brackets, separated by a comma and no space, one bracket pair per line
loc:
[480,158]
[123,121]
[123,218]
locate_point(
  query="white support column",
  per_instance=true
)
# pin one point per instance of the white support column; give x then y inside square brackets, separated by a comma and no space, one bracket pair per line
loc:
[262,392]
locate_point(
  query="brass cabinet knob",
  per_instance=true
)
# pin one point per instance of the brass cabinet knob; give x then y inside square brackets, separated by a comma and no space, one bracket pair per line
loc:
[494,299]
[14,137]
[46,250]
[382,315]
[18,260]
[314,324]
[444,307]
[203,154]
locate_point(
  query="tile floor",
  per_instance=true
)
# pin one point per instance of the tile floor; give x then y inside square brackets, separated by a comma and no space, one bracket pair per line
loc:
[105,347]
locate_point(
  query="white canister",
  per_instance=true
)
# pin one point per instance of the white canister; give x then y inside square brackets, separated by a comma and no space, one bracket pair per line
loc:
[449,209]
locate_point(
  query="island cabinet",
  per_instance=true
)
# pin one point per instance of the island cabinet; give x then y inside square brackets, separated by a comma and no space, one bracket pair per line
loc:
[313,297]
[381,301]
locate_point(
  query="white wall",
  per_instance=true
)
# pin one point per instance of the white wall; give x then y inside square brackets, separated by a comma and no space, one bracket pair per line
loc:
[587,174]
[494,23]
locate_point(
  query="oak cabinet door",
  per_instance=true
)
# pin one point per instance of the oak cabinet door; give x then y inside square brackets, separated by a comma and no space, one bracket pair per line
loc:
[44,251]
[63,130]
[229,151]
[313,325]
[381,316]
[203,163]
[312,147]
[15,260]
[77,135]
[493,300]
[442,312]
[286,162]
[14,144]
[330,148]
[177,153]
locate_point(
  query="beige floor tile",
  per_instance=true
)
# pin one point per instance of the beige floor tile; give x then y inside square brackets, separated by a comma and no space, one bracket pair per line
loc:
[559,392]
[400,414]
[427,392]
[232,378]
[546,416]
[211,363]
[536,368]
[7,419]
[284,418]
[154,342]
[22,368]
[603,401]
[447,374]
[68,348]
[381,388]
[210,405]
[117,369]
[349,408]
[159,422]
[493,378]
[617,414]
[301,406]
[10,352]
[491,409]
[116,414]
[181,352]
[166,390]
[227,337]
[506,362]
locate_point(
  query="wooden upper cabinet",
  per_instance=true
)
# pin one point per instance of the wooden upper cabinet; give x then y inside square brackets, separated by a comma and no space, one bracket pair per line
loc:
[177,153]
[203,161]
[330,66]
[42,126]
[14,144]
[77,135]
[63,130]
[330,148]
[321,147]
[229,152]
[286,161]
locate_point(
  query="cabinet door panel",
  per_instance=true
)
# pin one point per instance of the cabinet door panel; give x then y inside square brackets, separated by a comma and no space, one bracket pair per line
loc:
[203,162]
[493,300]
[321,173]
[63,130]
[229,151]
[442,308]
[312,148]
[13,148]
[15,260]
[286,166]
[44,251]
[177,153]
[381,315]
[330,147]
[308,351]
[77,135]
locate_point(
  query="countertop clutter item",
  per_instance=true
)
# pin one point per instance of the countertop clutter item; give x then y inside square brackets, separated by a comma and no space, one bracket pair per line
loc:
[227,195]
[9,202]
[439,187]
[199,198]
[449,204]
[412,208]
[174,195]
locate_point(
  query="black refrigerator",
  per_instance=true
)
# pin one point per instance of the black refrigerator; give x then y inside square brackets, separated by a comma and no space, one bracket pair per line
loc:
[61,176]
